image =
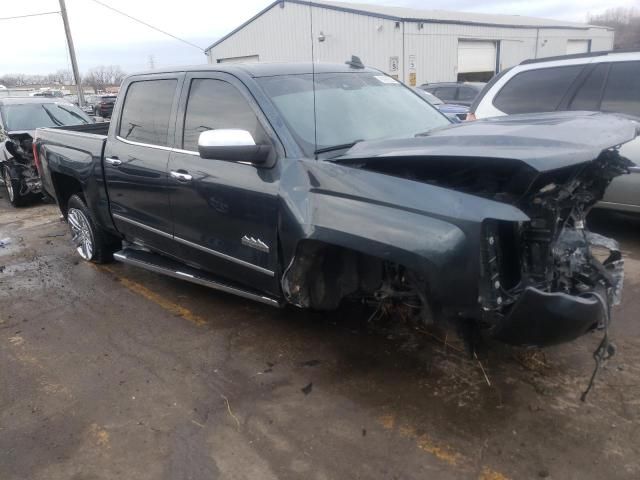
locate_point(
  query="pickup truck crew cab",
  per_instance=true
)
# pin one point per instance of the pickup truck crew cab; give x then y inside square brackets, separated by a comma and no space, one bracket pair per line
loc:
[309,185]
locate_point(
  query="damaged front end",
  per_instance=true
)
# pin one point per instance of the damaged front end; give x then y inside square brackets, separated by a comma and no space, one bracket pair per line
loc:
[22,166]
[542,280]
[550,280]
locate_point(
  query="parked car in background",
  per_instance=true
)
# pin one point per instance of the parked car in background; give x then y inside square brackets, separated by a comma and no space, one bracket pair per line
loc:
[71,98]
[19,117]
[601,81]
[48,94]
[456,113]
[283,186]
[89,104]
[458,93]
[103,105]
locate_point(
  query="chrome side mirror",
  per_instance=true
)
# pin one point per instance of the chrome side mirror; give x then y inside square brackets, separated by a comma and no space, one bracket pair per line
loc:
[233,145]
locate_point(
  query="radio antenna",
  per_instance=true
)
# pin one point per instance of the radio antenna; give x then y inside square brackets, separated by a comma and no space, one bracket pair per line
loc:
[313,83]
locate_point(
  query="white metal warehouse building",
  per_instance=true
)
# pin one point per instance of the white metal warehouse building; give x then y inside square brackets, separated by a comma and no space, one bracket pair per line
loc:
[415,46]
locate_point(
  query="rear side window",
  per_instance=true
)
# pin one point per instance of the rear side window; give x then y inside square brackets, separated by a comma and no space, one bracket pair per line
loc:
[147,111]
[467,94]
[446,94]
[216,104]
[588,95]
[536,90]
[622,93]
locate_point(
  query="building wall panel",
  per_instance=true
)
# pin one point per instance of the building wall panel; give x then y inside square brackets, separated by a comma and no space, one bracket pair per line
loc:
[425,52]
[280,34]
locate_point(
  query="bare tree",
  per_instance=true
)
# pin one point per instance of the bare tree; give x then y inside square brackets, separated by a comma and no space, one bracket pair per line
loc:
[21,79]
[99,78]
[9,80]
[62,77]
[626,24]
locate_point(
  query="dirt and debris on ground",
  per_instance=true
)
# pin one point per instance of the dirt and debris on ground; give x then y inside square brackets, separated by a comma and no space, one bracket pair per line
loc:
[113,372]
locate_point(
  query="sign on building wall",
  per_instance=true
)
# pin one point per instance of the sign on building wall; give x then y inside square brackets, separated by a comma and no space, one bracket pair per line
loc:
[394,64]
[412,70]
[412,62]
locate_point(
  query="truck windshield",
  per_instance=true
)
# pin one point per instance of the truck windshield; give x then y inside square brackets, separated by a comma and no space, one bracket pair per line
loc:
[349,107]
[29,116]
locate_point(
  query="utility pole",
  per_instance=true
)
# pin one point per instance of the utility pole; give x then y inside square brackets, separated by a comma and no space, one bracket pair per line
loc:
[72,52]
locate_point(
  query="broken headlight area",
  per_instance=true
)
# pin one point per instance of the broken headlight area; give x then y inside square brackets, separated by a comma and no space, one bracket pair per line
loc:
[19,145]
[550,280]
[22,163]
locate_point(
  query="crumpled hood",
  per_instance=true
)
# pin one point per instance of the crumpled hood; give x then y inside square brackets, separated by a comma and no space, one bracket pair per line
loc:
[545,141]
[20,135]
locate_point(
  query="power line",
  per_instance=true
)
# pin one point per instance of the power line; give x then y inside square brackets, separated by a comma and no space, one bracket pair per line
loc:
[147,24]
[29,15]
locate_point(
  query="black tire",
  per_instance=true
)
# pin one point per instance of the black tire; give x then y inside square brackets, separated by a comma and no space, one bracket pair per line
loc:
[92,243]
[12,186]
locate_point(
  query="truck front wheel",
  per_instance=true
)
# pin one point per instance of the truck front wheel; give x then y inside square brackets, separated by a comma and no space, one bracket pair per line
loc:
[13,189]
[92,243]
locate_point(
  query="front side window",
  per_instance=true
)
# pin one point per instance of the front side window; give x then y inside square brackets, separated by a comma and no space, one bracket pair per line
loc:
[29,116]
[147,111]
[588,95]
[216,104]
[536,90]
[349,107]
[622,93]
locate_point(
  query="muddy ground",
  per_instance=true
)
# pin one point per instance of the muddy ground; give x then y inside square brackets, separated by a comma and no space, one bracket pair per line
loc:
[113,372]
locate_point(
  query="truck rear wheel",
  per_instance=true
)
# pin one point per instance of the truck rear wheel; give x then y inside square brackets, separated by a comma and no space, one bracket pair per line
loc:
[92,243]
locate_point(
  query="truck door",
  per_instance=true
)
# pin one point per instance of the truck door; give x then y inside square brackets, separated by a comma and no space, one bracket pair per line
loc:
[135,160]
[225,213]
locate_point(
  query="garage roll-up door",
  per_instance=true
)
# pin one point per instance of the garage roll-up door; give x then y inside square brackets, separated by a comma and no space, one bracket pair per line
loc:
[476,56]
[577,46]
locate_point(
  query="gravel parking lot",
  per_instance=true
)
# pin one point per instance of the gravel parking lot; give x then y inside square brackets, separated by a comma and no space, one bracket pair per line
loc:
[113,372]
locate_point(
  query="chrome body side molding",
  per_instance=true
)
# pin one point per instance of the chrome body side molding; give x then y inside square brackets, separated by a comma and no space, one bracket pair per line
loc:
[210,251]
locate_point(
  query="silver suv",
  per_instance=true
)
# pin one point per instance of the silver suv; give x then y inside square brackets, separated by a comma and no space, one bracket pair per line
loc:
[604,81]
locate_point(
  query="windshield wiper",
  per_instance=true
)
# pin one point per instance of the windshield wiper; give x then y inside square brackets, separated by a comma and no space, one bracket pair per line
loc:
[343,146]
[53,118]
[71,112]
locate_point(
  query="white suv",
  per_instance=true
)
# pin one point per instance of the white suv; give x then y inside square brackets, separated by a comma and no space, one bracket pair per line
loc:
[605,81]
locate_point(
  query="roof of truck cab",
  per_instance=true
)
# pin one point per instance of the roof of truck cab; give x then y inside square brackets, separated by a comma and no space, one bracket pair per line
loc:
[265,69]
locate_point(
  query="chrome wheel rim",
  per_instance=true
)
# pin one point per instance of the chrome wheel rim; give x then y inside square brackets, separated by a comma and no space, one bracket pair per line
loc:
[81,234]
[8,184]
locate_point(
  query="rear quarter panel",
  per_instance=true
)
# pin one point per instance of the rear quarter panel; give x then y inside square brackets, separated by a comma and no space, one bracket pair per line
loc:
[79,156]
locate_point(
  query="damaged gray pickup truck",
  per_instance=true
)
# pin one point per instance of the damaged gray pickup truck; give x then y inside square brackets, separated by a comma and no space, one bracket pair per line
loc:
[315,185]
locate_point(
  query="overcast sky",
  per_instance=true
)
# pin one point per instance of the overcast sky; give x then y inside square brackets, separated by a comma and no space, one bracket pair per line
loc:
[103,37]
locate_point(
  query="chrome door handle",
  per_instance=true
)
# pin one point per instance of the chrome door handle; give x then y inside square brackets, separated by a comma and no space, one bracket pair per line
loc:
[181,177]
[113,161]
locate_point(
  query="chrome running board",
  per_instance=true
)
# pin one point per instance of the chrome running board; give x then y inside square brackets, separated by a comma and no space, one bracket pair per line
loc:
[165,266]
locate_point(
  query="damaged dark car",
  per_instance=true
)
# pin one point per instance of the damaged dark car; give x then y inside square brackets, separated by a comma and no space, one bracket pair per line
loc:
[19,118]
[316,185]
